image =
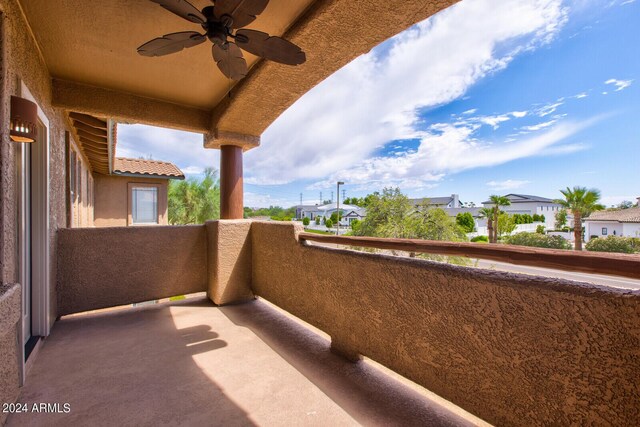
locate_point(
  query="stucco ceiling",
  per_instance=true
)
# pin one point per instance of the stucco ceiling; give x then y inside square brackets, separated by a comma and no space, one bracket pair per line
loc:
[94,42]
[89,47]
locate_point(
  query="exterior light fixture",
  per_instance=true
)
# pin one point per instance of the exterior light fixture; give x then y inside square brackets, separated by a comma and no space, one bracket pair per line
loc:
[24,116]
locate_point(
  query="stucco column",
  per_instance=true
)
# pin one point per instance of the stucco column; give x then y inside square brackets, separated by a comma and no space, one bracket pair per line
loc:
[229,261]
[231,197]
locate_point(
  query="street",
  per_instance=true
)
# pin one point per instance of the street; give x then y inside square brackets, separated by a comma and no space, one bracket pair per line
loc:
[598,279]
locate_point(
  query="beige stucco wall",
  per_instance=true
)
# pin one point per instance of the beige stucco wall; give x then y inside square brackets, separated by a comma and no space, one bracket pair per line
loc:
[82,202]
[9,369]
[105,267]
[512,349]
[21,62]
[112,199]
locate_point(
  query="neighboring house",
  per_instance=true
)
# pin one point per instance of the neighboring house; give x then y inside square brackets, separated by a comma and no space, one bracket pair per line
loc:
[357,214]
[135,193]
[452,201]
[532,205]
[349,212]
[305,210]
[625,222]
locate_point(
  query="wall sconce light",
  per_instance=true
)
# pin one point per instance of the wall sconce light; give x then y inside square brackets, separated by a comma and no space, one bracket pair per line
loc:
[24,116]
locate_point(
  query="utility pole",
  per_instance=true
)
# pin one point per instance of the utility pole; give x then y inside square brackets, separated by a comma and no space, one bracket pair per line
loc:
[321,198]
[338,207]
[344,194]
[332,197]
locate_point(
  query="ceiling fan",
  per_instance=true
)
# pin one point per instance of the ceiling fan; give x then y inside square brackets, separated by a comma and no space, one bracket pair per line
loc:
[219,22]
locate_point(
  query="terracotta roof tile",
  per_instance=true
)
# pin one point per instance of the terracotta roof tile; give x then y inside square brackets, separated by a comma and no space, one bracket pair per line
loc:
[623,215]
[122,165]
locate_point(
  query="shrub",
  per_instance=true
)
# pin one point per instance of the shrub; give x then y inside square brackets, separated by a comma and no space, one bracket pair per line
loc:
[540,229]
[466,221]
[305,221]
[318,219]
[623,245]
[538,240]
[328,222]
[481,239]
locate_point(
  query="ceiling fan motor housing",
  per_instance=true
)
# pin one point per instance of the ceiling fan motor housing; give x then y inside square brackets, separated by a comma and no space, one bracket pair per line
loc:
[217,29]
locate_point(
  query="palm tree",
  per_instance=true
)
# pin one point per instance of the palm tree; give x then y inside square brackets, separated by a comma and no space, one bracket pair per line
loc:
[581,202]
[488,213]
[497,202]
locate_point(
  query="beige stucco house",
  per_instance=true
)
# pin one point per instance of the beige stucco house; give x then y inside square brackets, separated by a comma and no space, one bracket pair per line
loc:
[135,193]
[623,223]
[491,347]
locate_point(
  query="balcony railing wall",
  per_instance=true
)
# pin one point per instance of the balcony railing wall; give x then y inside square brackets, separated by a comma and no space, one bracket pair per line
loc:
[512,349]
[106,267]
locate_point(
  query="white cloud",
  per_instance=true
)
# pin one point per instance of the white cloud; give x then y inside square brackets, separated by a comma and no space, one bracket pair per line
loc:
[182,148]
[619,84]
[469,112]
[581,95]
[341,123]
[447,148]
[509,184]
[550,108]
[494,121]
[539,126]
[192,170]
[519,114]
[253,200]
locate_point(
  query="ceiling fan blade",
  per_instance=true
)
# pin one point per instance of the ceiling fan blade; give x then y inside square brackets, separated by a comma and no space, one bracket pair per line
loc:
[183,9]
[270,47]
[230,61]
[171,43]
[243,12]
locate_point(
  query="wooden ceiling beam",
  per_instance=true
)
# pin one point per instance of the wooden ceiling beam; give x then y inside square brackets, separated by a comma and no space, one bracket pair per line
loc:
[88,120]
[90,129]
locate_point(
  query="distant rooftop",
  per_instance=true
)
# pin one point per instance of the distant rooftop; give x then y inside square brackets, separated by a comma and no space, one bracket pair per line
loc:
[149,168]
[623,215]
[523,198]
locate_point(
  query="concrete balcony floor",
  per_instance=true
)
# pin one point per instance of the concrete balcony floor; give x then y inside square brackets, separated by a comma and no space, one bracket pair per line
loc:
[191,363]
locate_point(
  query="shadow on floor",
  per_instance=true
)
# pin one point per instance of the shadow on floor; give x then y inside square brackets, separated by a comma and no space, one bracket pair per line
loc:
[364,392]
[130,367]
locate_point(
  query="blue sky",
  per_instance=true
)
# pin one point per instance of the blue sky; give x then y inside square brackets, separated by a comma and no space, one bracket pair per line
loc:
[486,97]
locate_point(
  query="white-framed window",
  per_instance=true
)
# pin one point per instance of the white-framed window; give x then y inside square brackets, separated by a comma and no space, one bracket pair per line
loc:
[604,231]
[144,204]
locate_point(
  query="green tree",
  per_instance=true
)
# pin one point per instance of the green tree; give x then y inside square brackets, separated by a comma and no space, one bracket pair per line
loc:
[561,219]
[540,229]
[355,225]
[318,220]
[505,225]
[497,202]
[465,220]
[488,214]
[388,215]
[581,202]
[436,224]
[328,223]
[194,201]
[305,221]
[625,204]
